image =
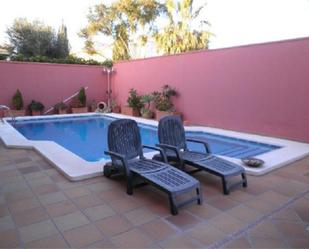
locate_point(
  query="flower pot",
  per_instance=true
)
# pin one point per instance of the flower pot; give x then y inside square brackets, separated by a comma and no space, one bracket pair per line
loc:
[79,109]
[35,113]
[148,115]
[116,109]
[161,114]
[62,111]
[16,113]
[126,110]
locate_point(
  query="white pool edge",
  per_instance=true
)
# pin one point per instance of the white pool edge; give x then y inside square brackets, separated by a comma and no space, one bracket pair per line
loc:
[76,168]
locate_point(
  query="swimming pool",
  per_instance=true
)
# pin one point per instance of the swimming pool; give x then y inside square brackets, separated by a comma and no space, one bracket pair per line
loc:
[74,143]
[87,137]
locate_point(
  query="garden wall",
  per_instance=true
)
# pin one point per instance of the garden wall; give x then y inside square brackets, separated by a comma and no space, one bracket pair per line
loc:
[262,89]
[50,83]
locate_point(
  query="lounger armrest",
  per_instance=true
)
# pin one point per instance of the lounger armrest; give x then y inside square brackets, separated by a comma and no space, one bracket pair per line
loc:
[118,156]
[158,149]
[206,145]
[173,148]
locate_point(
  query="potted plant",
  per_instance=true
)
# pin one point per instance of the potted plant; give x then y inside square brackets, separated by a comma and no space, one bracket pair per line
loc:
[146,101]
[134,104]
[115,108]
[163,102]
[61,108]
[78,104]
[18,104]
[36,108]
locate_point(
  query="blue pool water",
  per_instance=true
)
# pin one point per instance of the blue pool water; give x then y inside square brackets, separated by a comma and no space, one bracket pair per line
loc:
[86,137]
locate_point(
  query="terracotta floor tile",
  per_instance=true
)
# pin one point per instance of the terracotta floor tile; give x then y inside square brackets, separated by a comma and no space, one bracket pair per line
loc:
[292,229]
[6,223]
[82,236]
[4,211]
[132,239]
[158,230]
[88,201]
[267,243]
[140,216]
[183,220]
[60,208]
[37,231]
[222,202]
[204,211]
[9,239]
[55,241]
[260,206]
[265,230]
[99,186]
[124,204]
[70,221]
[206,234]
[303,212]
[23,205]
[240,243]
[111,195]
[298,243]
[104,244]
[29,170]
[286,214]
[77,192]
[181,242]
[45,189]
[99,212]
[113,225]
[30,216]
[52,198]
[244,213]
[227,223]
[18,196]
[273,197]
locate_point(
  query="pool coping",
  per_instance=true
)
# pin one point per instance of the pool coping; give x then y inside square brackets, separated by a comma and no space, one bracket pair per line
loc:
[76,168]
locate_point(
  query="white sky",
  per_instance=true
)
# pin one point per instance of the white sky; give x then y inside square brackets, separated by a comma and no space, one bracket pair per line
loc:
[234,22]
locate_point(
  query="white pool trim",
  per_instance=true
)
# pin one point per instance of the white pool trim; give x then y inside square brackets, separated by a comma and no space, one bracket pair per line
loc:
[76,168]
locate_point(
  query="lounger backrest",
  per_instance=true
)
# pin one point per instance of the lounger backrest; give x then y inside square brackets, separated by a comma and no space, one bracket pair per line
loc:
[171,132]
[124,138]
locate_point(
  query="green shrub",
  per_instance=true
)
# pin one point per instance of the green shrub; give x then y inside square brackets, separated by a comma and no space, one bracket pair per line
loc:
[82,98]
[162,100]
[68,60]
[134,100]
[60,106]
[17,101]
[36,106]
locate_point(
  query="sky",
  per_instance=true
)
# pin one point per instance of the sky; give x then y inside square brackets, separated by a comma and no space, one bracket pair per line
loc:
[233,22]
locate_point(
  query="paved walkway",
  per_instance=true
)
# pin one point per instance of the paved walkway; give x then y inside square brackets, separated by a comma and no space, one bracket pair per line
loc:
[39,208]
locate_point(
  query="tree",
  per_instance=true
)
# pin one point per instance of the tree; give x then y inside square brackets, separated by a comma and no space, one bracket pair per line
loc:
[122,21]
[62,45]
[32,39]
[179,35]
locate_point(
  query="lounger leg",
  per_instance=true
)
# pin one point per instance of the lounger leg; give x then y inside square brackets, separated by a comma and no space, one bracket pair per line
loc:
[173,206]
[129,185]
[224,185]
[199,196]
[244,178]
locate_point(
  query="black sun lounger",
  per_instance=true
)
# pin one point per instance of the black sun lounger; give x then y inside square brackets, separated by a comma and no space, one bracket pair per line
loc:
[174,142]
[126,152]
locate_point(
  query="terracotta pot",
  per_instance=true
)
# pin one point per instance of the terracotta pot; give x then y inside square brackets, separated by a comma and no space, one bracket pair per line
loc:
[116,109]
[79,109]
[16,113]
[35,113]
[126,110]
[161,114]
[62,111]
[148,115]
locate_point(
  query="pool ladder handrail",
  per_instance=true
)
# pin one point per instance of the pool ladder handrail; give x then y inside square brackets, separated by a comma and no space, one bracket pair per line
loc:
[64,101]
[10,112]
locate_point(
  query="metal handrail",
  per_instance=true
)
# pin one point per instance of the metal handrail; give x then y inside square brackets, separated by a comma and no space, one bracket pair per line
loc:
[64,101]
[10,112]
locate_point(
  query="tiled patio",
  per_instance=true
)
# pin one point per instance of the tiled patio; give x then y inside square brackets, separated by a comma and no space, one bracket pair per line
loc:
[39,208]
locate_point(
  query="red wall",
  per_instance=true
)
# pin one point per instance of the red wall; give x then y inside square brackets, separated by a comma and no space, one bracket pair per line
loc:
[262,89]
[50,83]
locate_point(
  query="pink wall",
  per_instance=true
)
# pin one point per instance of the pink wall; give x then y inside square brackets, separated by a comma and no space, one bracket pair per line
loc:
[262,89]
[50,83]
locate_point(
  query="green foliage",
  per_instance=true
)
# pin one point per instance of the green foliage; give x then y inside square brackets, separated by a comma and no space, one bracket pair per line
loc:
[32,39]
[146,101]
[162,100]
[134,100]
[68,60]
[179,36]
[60,106]
[36,106]
[17,100]
[82,98]
[121,21]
